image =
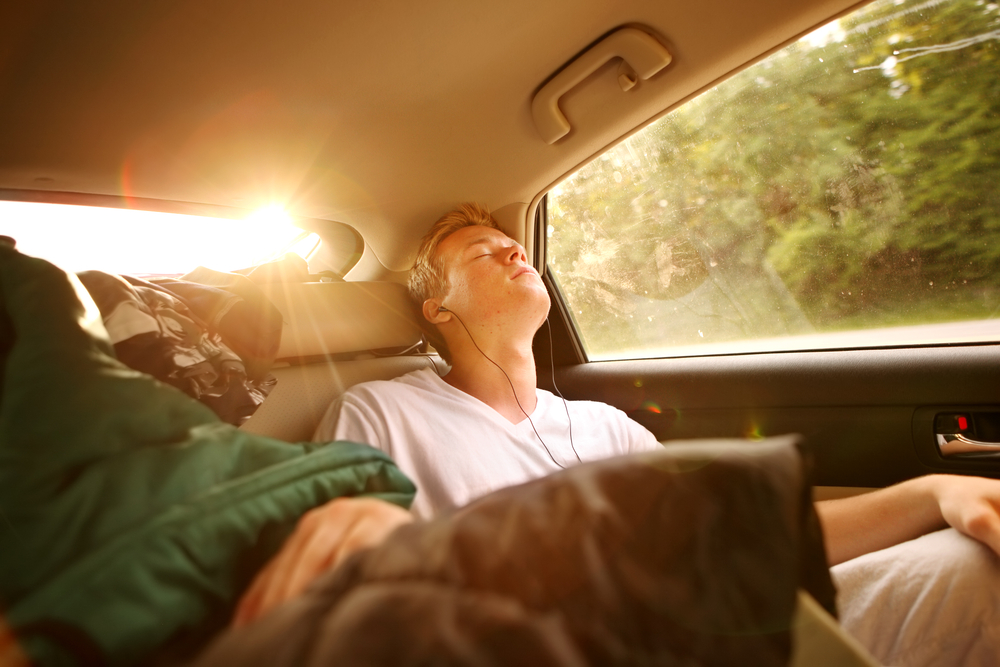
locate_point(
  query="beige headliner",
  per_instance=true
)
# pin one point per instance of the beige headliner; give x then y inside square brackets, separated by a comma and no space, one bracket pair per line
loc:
[378,114]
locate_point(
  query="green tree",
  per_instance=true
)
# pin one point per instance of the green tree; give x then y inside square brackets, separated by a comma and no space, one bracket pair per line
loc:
[859,170]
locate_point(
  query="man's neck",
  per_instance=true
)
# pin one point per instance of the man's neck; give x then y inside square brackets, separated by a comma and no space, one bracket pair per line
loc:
[474,373]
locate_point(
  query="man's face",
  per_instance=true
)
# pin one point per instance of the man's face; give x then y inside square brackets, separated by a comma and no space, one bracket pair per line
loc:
[489,280]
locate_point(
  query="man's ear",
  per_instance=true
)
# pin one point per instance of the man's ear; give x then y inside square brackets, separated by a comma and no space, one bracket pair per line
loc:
[433,313]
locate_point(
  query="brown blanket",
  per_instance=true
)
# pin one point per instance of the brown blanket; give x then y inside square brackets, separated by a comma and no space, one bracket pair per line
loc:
[689,556]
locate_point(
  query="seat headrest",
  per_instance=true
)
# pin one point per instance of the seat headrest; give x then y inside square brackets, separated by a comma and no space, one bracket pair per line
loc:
[335,318]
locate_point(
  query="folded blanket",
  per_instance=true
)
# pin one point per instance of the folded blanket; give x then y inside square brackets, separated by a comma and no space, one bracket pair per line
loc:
[687,556]
[130,516]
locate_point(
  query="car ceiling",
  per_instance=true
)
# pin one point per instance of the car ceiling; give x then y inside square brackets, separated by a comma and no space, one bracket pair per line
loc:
[380,114]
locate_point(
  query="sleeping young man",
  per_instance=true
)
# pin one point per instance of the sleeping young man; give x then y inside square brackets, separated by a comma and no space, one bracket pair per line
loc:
[485,425]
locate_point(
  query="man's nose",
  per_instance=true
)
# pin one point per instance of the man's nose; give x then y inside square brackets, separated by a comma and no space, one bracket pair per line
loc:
[516,252]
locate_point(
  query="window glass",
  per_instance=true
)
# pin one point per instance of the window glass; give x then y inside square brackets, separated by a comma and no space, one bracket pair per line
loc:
[841,193]
[80,238]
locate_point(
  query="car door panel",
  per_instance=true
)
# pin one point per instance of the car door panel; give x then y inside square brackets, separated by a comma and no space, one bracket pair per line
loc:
[867,414]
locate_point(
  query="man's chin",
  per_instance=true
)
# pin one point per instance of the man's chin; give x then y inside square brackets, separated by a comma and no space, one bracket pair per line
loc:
[540,304]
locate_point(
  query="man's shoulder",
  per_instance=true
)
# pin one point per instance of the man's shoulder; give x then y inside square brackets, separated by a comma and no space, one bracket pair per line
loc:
[421,379]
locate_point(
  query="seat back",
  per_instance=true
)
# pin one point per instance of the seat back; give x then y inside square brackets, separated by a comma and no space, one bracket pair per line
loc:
[335,336]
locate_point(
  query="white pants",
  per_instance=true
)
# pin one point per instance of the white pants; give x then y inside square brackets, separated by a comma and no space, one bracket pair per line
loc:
[932,601]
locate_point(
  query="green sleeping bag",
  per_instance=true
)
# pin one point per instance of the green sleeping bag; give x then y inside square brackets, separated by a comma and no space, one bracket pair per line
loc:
[129,514]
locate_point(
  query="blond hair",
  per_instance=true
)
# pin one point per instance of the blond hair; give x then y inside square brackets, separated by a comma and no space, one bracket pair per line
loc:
[427,277]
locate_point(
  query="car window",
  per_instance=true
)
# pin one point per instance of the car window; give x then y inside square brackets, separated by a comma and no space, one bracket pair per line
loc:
[125,241]
[840,193]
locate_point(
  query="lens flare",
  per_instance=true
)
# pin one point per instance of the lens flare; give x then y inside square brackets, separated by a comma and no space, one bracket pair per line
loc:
[138,242]
[273,215]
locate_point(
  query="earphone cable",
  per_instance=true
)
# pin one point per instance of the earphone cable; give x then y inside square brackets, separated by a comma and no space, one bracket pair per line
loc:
[514,391]
[552,367]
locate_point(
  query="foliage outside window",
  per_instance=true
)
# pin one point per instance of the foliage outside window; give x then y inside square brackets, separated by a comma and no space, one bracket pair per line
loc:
[846,183]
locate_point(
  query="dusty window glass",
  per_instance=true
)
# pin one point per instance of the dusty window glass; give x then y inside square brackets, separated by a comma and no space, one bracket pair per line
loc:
[841,193]
[126,241]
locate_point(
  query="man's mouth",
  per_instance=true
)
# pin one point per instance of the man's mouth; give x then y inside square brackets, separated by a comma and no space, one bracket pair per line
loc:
[524,269]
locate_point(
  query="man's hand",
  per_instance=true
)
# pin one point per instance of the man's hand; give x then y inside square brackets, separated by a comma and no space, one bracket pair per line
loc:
[971,505]
[323,538]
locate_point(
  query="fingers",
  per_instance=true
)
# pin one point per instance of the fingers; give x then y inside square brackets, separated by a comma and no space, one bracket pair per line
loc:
[971,505]
[983,524]
[371,525]
[323,538]
[323,533]
[305,553]
[249,604]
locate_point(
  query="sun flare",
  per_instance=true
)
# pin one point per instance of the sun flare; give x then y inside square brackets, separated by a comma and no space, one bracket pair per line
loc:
[80,238]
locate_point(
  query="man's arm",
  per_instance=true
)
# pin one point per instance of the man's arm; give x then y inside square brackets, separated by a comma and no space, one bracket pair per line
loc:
[873,521]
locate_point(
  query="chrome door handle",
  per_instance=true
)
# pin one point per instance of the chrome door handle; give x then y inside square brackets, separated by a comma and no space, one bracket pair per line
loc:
[953,444]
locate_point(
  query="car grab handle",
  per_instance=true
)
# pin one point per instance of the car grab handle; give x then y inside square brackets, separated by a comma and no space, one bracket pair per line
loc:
[643,53]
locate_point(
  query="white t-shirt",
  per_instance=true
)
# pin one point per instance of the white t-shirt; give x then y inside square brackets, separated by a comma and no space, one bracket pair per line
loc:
[456,448]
